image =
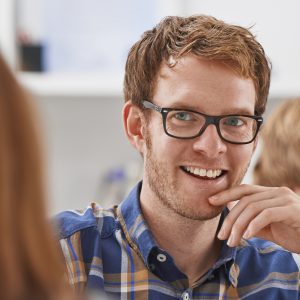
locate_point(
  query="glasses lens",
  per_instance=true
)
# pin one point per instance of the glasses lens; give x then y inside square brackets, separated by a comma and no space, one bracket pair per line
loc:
[234,128]
[185,124]
[238,129]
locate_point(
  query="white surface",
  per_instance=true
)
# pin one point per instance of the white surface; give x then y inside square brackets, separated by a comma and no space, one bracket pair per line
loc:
[30,18]
[7,29]
[82,114]
[63,84]
[276,25]
[100,84]
[83,138]
[95,35]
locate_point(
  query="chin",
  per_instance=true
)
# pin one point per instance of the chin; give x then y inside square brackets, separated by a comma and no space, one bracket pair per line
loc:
[203,213]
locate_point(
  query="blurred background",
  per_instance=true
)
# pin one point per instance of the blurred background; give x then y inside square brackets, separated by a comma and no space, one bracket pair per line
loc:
[70,54]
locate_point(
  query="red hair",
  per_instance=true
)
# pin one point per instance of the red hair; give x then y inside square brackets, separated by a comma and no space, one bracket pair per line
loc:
[31,266]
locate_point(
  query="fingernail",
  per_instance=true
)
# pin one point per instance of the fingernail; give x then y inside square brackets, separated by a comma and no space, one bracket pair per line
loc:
[213,198]
[230,241]
[246,234]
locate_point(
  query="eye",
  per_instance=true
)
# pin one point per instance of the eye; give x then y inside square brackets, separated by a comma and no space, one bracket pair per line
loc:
[233,121]
[183,116]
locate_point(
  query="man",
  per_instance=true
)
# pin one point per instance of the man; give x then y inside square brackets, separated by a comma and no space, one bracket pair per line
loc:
[195,90]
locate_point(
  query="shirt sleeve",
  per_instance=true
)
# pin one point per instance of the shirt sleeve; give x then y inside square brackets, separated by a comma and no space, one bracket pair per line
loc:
[76,268]
[72,227]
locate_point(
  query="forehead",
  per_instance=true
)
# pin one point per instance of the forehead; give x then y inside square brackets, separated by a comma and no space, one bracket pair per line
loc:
[203,85]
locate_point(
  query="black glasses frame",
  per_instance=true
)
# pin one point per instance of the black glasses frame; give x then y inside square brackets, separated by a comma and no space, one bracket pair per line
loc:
[214,120]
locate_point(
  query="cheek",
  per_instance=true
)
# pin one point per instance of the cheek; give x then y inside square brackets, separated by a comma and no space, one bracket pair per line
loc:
[242,155]
[164,148]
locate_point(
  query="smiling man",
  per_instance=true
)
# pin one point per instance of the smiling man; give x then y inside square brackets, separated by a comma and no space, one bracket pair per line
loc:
[195,91]
[184,170]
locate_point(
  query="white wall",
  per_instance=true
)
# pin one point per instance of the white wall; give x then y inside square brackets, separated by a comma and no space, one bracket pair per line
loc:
[83,139]
[83,130]
[276,25]
[7,30]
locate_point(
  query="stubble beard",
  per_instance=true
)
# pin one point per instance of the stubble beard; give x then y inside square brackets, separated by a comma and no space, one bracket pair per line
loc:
[166,191]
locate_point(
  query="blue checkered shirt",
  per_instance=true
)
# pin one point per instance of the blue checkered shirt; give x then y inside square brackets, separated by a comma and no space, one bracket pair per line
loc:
[112,251]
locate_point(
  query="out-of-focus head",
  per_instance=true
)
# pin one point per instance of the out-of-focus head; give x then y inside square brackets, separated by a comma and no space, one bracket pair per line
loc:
[200,35]
[29,257]
[279,161]
[19,147]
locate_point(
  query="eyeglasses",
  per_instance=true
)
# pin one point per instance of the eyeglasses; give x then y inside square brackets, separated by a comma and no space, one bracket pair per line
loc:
[189,124]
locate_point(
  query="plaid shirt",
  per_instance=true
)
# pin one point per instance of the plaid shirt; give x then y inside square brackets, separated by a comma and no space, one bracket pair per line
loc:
[114,251]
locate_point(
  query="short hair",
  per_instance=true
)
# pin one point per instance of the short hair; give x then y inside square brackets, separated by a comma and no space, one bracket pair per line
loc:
[205,37]
[279,161]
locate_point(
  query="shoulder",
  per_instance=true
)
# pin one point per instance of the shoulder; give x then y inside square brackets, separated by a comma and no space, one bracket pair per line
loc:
[82,235]
[93,218]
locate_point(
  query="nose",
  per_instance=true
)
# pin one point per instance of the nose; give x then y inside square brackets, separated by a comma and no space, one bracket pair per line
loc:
[210,143]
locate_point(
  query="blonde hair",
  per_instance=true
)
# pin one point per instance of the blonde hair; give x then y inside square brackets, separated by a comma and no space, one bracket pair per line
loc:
[31,265]
[279,162]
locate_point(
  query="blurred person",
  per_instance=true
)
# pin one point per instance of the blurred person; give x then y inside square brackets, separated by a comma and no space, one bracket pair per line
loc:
[279,160]
[195,91]
[31,265]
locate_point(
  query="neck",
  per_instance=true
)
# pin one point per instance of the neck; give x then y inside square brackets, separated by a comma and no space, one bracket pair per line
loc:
[192,243]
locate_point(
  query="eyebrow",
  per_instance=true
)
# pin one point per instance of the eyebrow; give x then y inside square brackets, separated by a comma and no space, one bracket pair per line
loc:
[235,111]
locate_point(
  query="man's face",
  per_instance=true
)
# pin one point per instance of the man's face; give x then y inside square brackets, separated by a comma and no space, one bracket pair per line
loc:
[212,89]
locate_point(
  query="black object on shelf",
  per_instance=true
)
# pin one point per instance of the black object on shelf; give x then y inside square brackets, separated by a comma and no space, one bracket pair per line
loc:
[31,57]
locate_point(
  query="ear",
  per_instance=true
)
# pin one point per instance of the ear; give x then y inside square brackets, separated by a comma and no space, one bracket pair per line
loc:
[133,125]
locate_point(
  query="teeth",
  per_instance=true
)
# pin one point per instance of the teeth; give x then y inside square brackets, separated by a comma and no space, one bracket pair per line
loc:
[203,172]
[209,173]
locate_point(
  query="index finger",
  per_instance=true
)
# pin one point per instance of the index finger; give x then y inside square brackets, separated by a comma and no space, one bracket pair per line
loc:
[235,193]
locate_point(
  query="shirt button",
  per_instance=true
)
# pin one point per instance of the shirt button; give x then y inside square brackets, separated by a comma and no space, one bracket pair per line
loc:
[152,267]
[161,257]
[185,296]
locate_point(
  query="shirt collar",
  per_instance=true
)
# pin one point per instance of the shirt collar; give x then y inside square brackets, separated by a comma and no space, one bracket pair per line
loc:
[141,239]
[134,226]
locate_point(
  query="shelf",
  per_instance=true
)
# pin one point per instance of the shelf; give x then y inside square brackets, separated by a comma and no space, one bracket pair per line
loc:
[72,85]
[110,85]
[284,89]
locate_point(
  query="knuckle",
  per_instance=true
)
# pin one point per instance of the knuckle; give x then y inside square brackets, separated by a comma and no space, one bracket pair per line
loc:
[288,195]
[290,200]
[284,190]
[245,200]
[244,185]
[267,213]
[253,207]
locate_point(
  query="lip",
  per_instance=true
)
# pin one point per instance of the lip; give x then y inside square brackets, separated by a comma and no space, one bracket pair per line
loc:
[211,167]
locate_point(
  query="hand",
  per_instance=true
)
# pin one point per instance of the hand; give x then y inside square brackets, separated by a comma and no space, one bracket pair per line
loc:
[271,213]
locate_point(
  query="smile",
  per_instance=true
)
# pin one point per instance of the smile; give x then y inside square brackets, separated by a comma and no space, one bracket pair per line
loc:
[204,173]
